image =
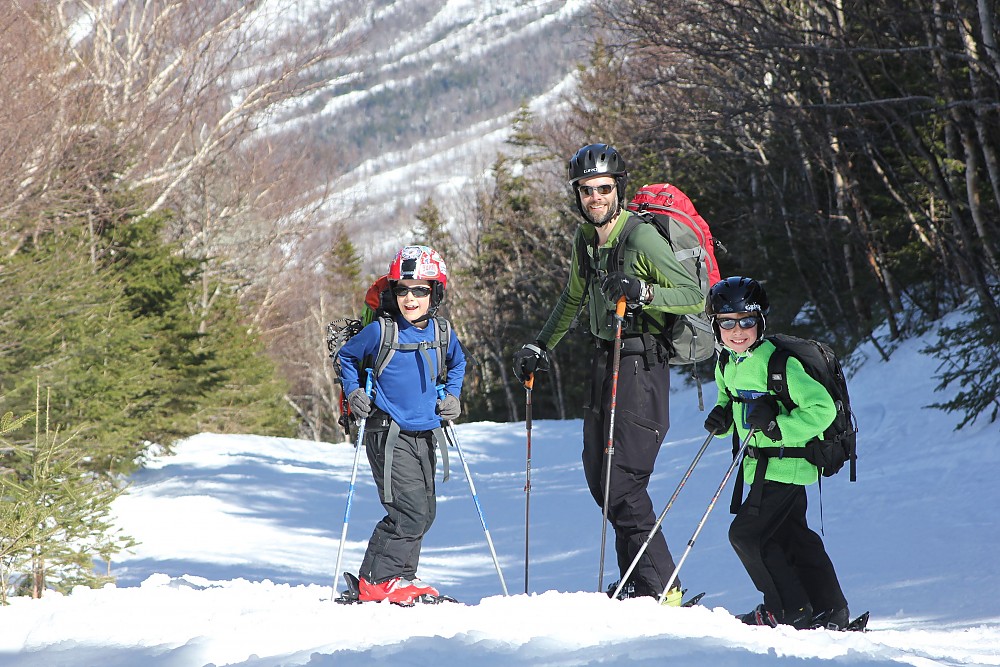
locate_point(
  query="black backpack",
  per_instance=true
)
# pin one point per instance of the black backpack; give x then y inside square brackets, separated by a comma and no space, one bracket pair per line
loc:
[838,444]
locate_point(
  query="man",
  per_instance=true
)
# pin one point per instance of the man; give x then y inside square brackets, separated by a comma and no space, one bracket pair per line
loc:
[656,288]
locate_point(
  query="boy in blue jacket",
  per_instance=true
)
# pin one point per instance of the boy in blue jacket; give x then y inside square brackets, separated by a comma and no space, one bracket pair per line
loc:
[404,417]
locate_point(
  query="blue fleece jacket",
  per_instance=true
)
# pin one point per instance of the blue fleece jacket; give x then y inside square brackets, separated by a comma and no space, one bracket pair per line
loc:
[406,388]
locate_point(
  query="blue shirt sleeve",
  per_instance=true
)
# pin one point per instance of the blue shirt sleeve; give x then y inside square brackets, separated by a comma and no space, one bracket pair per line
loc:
[353,353]
[456,366]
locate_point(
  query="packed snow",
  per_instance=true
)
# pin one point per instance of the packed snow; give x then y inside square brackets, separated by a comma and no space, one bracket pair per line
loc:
[239,536]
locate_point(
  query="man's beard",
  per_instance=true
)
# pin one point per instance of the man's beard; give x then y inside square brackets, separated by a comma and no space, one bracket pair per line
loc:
[607,217]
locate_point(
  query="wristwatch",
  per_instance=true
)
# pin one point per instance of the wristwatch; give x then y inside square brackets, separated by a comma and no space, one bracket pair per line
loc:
[647,294]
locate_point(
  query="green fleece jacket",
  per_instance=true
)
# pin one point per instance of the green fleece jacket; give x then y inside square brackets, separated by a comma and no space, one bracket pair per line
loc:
[647,256]
[745,376]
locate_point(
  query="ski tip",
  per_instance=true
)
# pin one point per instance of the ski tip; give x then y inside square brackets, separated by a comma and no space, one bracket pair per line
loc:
[860,624]
[694,600]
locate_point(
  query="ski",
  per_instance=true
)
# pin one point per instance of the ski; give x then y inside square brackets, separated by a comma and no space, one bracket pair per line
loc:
[857,625]
[860,624]
[694,600]
[428,599]
[352,595]
[353,592]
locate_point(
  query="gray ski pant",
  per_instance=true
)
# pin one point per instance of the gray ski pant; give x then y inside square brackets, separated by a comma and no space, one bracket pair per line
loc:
[394,547]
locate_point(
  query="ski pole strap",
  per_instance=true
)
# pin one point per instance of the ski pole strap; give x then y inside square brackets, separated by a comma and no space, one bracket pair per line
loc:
[390,446]
[734,504]
[442,445]
[440,439]
[757,488]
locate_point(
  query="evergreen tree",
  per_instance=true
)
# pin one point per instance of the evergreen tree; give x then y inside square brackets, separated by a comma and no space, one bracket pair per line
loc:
[55,513]
[432,229]
[104,321]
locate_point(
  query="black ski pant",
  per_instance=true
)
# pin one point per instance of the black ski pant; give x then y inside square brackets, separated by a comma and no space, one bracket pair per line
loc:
[394,547]
[641,423]
[784,557]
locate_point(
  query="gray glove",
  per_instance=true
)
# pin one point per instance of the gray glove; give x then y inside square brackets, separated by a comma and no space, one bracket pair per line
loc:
[360,404]
[448,407]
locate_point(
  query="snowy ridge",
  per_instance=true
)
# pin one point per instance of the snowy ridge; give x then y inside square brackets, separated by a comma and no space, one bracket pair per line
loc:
[424,106]
[239,534]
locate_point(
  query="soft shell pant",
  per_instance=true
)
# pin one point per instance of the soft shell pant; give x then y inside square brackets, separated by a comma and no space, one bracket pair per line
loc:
[785,558]
[394,547]
[641,423]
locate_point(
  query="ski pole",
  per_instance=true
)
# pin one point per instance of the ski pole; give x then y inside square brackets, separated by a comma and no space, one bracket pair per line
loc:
[736,461]
[453,440]
[449,433]
[609,451]
[350,490]
[529,384]
[663,514]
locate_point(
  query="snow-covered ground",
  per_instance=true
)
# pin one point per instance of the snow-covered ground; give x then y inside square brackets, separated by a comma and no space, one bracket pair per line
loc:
[240,533]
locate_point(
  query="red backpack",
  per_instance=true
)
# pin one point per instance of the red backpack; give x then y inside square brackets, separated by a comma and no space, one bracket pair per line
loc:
[666,199]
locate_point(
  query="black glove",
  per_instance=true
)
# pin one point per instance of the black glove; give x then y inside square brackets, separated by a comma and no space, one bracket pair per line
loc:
[448,407]
[720,419]
[528,359]
[762,414]
[360,404]
[618,284]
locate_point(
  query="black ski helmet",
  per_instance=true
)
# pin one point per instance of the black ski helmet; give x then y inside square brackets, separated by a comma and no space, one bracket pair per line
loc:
[737,294]
[595,160]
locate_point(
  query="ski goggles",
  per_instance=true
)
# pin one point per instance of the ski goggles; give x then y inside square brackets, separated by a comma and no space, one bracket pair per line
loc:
[417,290]
[588,190]
[748,322]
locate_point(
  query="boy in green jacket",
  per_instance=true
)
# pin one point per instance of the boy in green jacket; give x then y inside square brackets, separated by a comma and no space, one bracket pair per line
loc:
[785,558]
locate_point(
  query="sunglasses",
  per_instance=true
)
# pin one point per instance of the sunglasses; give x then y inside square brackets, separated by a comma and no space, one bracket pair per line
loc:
[588,190]
[417,290]
[748,322]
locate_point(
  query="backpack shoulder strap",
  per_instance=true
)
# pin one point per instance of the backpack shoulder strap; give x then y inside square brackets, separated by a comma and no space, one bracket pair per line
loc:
[617,257]
[723,360]
[388,342]
[442,339]
[777,374]
[582,257]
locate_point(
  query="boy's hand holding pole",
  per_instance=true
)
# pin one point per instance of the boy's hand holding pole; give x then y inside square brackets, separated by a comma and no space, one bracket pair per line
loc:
[762,414]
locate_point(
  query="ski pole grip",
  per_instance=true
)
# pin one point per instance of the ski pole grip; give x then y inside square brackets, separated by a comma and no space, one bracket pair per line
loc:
[620,308]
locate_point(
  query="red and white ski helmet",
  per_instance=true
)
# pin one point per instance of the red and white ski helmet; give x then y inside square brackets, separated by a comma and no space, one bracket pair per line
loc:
[419,262]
